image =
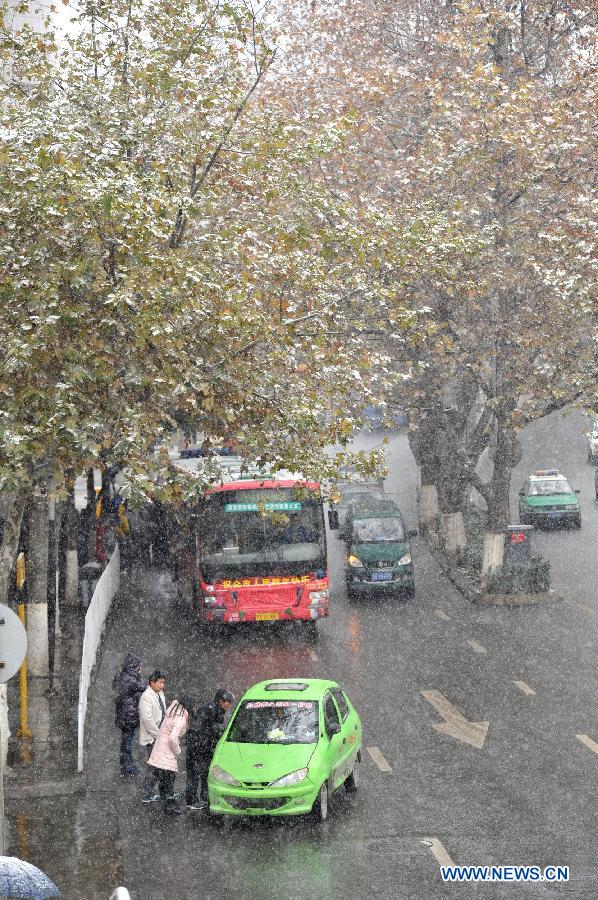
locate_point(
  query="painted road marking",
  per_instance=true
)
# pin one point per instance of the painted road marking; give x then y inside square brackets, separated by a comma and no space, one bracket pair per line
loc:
[477,647]
[592,745]
[586,609]
[379,759]
[313,656]
[439,851]
[456,725]
[442,615]
[524,688]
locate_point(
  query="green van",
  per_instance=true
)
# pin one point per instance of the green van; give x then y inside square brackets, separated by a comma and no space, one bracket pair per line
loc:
[378,548]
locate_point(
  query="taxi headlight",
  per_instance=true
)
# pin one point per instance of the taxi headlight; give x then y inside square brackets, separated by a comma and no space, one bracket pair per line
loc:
[219,774]
[405,560]
[291,778]
[355,562]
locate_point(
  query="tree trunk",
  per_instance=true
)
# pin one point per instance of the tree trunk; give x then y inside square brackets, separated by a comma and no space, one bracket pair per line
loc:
[453,533]
[427,508]
[71,587]
[452,480]
[424,448]
[498,509]
[37,586]
[10,540]
[8,551]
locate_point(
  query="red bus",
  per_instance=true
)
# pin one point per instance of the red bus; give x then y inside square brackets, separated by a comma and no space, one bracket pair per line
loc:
[255,550]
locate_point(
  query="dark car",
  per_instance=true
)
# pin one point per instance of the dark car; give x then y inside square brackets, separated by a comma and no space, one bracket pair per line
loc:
[378,548]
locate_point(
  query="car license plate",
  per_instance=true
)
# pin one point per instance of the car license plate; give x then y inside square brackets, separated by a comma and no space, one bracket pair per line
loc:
[267,617]
[381,576]
[554,515]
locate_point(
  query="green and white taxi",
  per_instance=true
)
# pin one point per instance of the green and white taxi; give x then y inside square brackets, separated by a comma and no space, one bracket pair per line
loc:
[547,498]
[289,744]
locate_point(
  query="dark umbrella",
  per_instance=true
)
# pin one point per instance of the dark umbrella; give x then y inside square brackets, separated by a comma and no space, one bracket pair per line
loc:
[20,879]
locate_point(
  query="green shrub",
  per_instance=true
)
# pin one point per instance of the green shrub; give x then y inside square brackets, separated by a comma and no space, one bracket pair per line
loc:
[525,577]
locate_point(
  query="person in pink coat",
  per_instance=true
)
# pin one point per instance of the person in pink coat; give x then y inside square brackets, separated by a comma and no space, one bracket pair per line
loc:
[167,749]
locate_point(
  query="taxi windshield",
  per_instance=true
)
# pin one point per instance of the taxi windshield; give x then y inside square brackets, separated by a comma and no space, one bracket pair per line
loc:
[275,722]
[375,530]
[548,487]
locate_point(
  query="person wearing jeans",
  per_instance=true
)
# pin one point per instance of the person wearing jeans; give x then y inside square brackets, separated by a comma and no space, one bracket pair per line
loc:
[152,709]
[167,749]
[128,766]
[129,686]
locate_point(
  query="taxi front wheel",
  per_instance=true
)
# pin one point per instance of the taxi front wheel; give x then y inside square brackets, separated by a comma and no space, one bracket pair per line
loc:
[320,807]
[352,781]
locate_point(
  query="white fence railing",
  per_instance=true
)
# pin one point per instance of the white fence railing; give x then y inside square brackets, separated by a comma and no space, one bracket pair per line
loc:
[95,619]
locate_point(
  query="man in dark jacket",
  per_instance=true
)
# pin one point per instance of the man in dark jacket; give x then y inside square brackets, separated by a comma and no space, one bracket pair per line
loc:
[129,685]
[205,730]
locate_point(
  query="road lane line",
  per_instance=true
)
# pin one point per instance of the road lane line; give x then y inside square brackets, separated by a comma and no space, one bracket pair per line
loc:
[439,851]
[586,609]
[379,759]
[477,647]
[524,688]
[442,615]
[313,656]
[592,745]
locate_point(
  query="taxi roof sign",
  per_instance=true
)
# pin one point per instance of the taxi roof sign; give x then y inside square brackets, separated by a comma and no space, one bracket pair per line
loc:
[542,473]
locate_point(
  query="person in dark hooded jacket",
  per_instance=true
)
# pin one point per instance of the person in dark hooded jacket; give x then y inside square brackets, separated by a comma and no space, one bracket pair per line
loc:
[129,686]
[205,729]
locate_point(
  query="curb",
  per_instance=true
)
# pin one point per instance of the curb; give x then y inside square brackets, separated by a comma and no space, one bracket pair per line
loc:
[461,581]
[521,599]
[67,787]
[474,594]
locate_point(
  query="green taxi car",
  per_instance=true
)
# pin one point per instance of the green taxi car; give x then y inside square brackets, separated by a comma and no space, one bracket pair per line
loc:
[379,557]
[289,744]
[547,498]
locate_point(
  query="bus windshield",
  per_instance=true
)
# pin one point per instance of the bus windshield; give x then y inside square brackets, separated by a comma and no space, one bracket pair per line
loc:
[259,532]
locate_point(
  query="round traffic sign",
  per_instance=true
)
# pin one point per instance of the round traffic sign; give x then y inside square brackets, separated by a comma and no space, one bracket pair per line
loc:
[13,643]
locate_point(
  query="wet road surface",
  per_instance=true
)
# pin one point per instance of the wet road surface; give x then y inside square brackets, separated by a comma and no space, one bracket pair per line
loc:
[527,796]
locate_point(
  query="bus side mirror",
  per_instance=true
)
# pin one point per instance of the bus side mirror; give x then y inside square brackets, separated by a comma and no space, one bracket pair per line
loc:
[333,519]
[413,532]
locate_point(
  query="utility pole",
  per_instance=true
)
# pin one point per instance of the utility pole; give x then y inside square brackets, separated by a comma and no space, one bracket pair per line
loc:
[23,731]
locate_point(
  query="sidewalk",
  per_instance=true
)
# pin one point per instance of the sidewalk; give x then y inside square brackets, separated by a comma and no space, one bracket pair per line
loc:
[67,824]
[46,764]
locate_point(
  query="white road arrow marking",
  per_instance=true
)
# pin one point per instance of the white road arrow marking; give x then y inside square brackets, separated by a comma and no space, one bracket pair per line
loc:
[476,647]
[313,656]
[442,615]
[437,848]
[524,688]
[456,725]
[592,745]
